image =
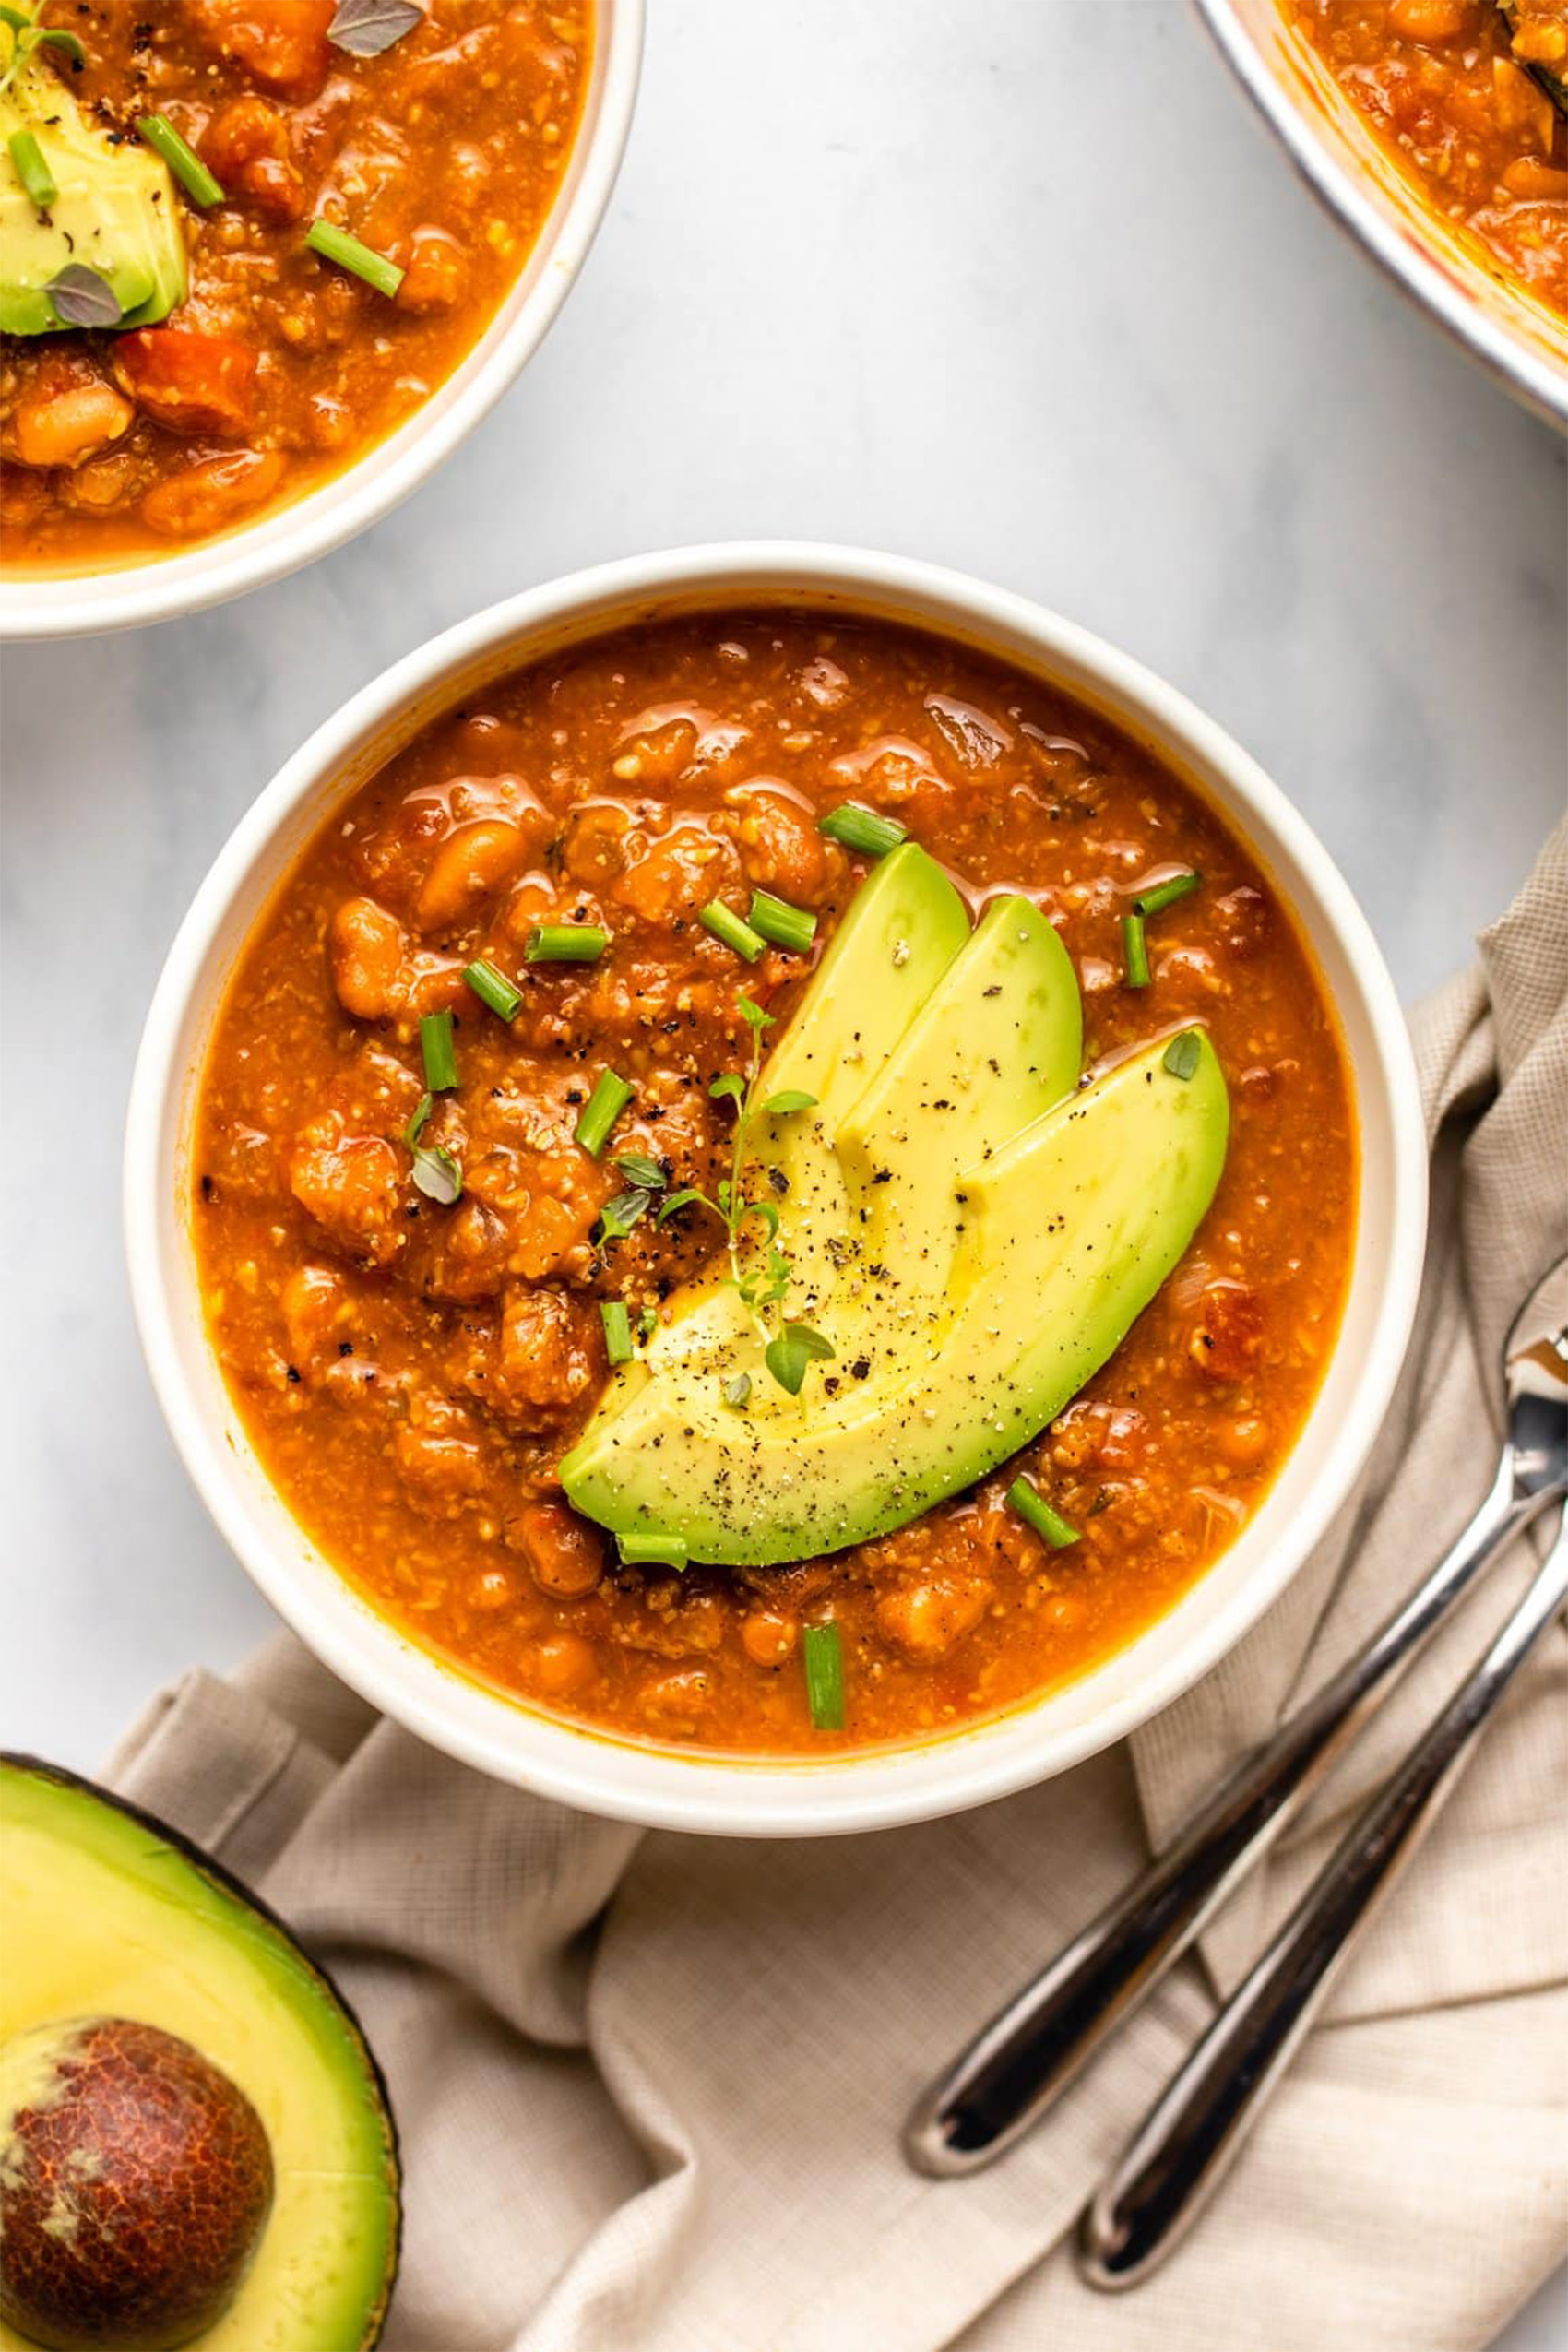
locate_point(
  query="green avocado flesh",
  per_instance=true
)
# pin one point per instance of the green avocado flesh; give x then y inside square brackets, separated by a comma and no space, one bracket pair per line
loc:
[103,1913]
[971,1236]
[1066,1234]
[116,212]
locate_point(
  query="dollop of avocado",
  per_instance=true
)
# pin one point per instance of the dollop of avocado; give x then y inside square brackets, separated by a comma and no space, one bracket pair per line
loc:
[114,212]
[139,1983]
[992,1236]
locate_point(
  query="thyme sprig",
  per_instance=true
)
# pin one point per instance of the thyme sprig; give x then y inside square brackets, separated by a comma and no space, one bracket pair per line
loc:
[764,1284]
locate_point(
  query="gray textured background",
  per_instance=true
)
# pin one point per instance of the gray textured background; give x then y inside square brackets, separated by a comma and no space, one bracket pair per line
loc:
[1019,288]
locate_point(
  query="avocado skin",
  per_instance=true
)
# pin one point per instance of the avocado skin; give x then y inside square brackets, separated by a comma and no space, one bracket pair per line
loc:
[233,1890]
[763,1493]
[116,212]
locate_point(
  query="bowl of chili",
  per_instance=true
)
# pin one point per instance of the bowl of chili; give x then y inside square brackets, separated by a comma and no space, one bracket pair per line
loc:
[431,1132]
[1436,131]
[266,266]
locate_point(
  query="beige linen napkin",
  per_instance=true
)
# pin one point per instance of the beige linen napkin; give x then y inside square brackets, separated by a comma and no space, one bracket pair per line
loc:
[649,2087]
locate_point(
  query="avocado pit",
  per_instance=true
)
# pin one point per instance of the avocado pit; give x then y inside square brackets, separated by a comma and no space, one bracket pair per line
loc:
[136,2179]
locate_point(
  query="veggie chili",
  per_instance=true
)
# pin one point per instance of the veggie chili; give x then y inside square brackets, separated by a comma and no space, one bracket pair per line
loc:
[357,186]
[412,1373]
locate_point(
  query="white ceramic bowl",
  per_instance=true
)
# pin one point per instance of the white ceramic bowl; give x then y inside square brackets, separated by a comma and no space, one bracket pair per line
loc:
[126,596]
[1336,151]
[710,1793]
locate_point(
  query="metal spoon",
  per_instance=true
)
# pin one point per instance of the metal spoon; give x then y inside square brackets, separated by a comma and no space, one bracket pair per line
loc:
[1013,2071]
[1195,2131]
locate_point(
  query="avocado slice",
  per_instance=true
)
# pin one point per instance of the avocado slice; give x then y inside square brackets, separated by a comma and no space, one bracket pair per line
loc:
[901,931]
[108,1915]
[1067,1233]
[116,213]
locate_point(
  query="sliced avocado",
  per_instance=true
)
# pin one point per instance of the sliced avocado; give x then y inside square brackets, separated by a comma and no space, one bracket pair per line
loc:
[110,1922]
[116,212]
[1067,1234]
[901,931]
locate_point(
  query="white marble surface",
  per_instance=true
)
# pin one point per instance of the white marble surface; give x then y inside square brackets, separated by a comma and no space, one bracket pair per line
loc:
[1020,288]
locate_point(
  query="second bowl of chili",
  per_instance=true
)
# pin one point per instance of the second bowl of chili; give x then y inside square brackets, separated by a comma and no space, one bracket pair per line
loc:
[565,871]
[307,244]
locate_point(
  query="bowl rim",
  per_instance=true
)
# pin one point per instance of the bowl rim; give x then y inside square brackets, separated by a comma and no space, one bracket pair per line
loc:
[702,1791]
[1346,196]
[282,539]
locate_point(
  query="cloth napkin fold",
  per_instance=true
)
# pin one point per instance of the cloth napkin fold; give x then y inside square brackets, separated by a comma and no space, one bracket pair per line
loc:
[649,2086]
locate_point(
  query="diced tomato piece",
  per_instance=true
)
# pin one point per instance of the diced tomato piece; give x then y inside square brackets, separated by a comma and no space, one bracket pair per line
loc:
[190,382]
[281,44]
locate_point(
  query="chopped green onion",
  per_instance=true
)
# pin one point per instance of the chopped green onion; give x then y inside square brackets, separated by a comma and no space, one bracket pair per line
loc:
[361,261]
[823,1655]
[738,1392]
[1182,1054]
[786,926]
[440,1052]
[1025,1499]
[1166,894]
[565,943]
[652,1552]
[184,161]
[862,830]
[493,987]
[648,1322]
[617,1330]
[601,1112]
[1134,948]
[727,926]
[37,179]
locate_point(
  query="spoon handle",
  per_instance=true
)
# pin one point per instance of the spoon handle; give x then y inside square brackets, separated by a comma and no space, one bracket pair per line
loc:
[1196,2131]
[1021,2063]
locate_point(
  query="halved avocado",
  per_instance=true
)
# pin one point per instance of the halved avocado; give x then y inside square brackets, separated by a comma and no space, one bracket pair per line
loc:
[1066,1235]
[116,212]
[109,1921]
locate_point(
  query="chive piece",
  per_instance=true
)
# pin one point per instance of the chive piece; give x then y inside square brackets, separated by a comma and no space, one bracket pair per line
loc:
[37,179]
[617,1330]
[1025,1499]
[1182,1054]
[652,1552]
[1135,947]
[1166,894]
[439,1050]
[565,943]
[361,261]
[786,926]
[822,1654]
[862,830]
[493,987]
[727,926]
[601,1110]
[184,161]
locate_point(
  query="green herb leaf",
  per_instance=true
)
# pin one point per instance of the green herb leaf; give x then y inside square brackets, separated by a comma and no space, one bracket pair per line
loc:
[618,1217]
[684,1199]
[638,1169]
[788,1356]
[727,1088]
[779,1105]
[1182,1054]
[753,1015]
